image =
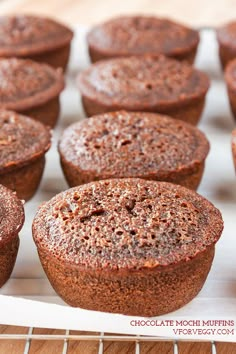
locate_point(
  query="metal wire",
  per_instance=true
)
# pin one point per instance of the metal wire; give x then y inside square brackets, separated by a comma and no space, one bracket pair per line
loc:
[101,338]
[213,348]
[175,349]
[28,341]
[90,337]
[66,342]
[101,344]
[137,345]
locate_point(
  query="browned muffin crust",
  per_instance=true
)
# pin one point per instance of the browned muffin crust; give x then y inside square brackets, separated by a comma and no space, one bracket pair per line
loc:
[31,88]
[25,84]
[137,35]
[38,38]
[230,79]
[23,144]
[11,215]
[226,36]
[126,224]
[11,221]
[230,75]
[23,34]
[127,245]
[22,140]
[234,147]
[143,83]
[132,144]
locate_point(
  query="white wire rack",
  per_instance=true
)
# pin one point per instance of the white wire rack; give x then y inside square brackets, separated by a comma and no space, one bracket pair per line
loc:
[100,339]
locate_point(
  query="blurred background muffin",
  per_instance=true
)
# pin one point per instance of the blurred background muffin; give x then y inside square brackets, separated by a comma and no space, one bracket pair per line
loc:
[226,36]
[36,38]
[31,88]
[23,145]
[137,35]
[11,221]
[146,84]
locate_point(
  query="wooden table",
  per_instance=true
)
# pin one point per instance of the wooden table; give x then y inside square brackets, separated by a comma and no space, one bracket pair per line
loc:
[195,13]
[82,347]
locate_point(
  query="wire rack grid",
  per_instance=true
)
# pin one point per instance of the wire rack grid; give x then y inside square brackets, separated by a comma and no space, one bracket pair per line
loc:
[101,338]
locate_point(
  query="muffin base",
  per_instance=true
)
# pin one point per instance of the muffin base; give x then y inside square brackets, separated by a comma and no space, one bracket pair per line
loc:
[188,56]
[57,58]
[232,101]
[24,180]
[189,113]
[46,113]
[147,292]
[226,54]
[8,254]
[75,176]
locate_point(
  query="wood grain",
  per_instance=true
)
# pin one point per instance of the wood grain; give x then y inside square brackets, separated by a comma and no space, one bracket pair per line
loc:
[12,347]
[91,347]
[42,346]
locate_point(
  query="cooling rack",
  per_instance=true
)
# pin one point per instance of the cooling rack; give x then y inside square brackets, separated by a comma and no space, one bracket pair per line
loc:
[100,339]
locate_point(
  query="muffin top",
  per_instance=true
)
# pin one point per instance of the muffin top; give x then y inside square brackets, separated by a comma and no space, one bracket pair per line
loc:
[126,224]
[142,81]
[227,34]
[25,83]
[21,35]
[133,144]
[22,140]
[135,35]
[11,215]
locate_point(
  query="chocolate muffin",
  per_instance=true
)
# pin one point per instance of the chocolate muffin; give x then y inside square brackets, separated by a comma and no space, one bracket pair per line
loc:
[23,144]
[230,79]
[137,35]
[127,246]
[31,88]
[234,147]
[144,83]
[11,221]
[37,38]
[133,144]
[226,36]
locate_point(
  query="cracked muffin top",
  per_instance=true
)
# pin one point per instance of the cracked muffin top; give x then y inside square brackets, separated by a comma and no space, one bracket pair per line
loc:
[133,144]
[126,224]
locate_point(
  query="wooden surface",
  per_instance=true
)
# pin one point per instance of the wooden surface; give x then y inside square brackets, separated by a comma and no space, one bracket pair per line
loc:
[83,347]
[200,12]
[196,13]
